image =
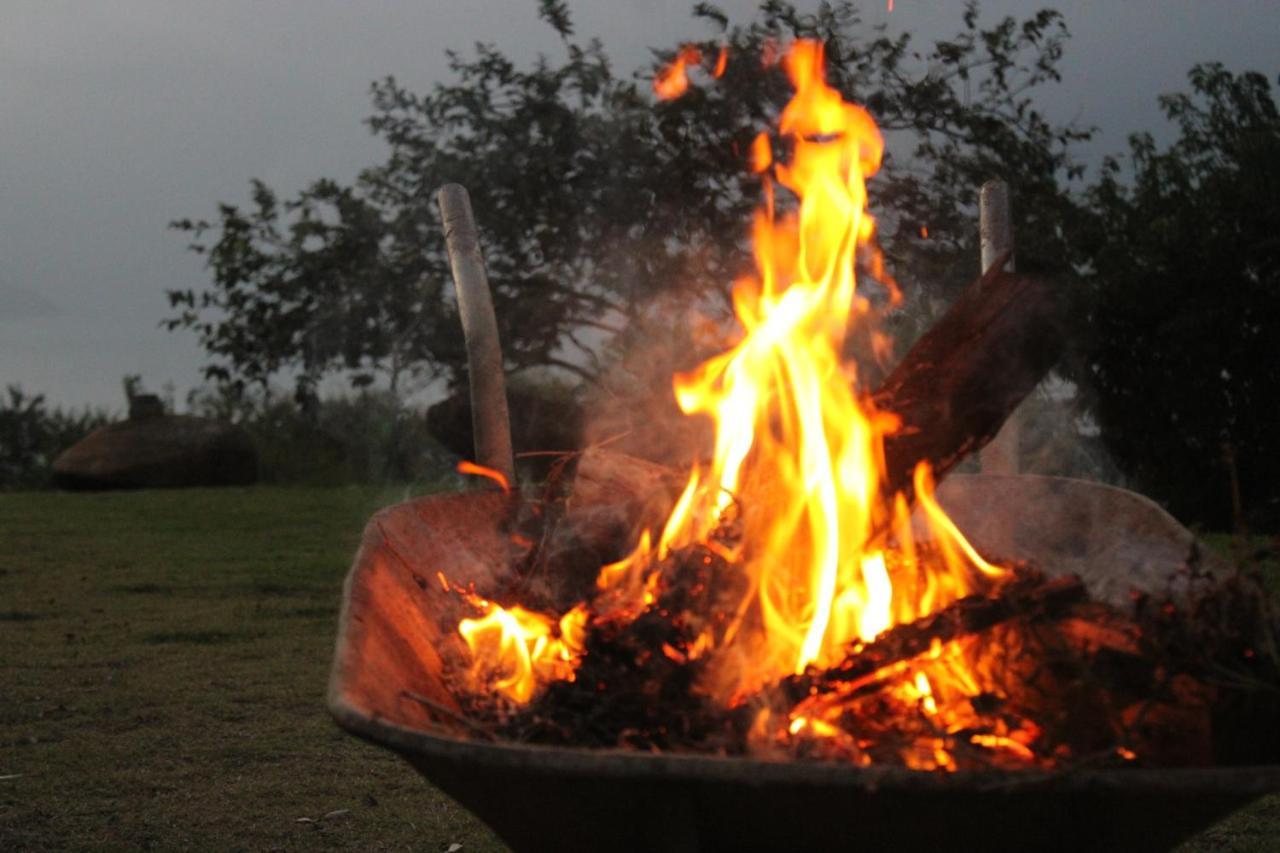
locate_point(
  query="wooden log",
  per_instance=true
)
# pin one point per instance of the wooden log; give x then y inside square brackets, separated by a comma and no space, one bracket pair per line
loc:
[968,373]
[1028,597]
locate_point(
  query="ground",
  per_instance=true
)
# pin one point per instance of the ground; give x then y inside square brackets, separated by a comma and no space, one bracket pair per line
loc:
[164,657]
[163,660]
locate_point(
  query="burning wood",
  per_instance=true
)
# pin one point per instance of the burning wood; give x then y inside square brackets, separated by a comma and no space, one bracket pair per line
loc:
[967,374]
[1026,597]
[784,600]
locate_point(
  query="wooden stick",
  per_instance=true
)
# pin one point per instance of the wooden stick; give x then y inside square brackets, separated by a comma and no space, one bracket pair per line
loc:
[490,420]
[995,226]
[448,713]
[995,231]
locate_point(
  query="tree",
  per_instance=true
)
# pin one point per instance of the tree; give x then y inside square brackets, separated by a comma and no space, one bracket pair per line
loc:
[32,436]
[1185,303]
[596,203]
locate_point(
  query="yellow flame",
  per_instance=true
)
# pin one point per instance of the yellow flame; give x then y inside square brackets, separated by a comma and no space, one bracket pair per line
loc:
[516,650]
[798,459]
[796,439]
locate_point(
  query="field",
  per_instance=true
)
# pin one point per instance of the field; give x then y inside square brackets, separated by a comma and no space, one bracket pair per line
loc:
[163,659]
[164,656]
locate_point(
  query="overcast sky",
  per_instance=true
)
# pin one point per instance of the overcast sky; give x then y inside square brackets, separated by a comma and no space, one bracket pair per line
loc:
[117,116]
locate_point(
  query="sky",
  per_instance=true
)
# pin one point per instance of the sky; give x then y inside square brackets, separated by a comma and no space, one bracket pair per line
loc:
[119,116]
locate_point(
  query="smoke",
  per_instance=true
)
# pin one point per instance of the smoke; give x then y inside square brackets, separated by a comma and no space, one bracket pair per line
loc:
[1059,438]
[632,408]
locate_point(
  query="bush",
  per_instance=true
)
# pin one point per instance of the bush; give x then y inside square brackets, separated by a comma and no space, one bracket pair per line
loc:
[372,437]
[31,437]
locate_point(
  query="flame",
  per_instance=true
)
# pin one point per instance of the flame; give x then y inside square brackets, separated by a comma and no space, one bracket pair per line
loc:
[798,459]
[515,650]
[465,467]
[831,557]
[722,62]
[673,80]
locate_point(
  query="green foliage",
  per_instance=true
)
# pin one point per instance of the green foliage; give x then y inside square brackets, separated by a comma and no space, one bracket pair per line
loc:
[31,436]
[1185,303]
[595,204]
[369,437]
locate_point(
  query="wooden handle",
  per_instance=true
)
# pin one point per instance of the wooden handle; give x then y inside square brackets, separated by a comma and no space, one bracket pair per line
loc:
[490,420]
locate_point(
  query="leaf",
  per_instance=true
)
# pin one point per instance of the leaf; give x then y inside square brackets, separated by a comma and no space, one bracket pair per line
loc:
[556,13]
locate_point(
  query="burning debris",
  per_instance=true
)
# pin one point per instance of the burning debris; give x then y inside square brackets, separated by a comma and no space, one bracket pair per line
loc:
[1028,673]
[789,602]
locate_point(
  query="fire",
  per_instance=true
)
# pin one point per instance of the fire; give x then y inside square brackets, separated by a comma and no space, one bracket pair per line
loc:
[830,558]
[673,80]
[516,649]
[722,62]
[471,468]
[798,456]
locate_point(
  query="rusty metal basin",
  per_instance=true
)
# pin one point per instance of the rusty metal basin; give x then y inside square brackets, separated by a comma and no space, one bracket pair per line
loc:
[396,623]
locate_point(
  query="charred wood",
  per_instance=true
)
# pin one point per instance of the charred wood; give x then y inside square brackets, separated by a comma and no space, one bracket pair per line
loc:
[966,375]
[1028,597]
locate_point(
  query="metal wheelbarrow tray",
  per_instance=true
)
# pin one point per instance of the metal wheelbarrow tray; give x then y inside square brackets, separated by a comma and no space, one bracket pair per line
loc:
[560,799]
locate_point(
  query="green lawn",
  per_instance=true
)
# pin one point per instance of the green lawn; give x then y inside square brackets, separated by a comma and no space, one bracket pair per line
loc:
[163,659]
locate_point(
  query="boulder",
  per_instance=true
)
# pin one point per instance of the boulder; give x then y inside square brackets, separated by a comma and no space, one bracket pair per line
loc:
[164,451]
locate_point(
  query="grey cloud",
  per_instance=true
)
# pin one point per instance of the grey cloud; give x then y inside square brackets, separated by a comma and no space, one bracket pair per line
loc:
[20,303]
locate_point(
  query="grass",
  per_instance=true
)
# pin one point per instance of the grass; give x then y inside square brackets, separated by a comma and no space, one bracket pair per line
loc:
[163,659]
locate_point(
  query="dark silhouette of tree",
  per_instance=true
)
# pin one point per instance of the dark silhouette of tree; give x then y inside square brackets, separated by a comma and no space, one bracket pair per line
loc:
[596,203]
[1184,304]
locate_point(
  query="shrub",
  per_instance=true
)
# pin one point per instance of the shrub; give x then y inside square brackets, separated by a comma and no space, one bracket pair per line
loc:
[370,437]
[31,437]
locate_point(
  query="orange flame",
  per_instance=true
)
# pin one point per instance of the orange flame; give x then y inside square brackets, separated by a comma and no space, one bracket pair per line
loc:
[516,650]
[795,439]
[722,62]
[798,466]
[673,80]
[465,467]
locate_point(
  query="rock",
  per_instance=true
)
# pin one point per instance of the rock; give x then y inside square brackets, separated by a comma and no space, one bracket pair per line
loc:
[164,451]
